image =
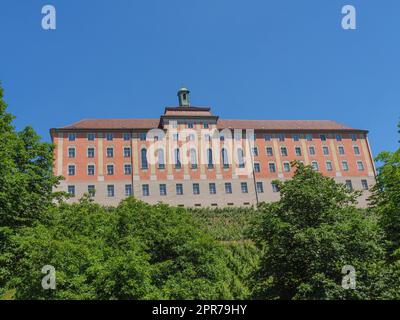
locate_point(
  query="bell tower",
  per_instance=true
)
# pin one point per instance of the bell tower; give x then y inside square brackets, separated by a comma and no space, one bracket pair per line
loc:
[183,95]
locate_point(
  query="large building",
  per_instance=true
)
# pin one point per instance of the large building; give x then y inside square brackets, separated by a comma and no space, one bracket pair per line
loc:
[190,157]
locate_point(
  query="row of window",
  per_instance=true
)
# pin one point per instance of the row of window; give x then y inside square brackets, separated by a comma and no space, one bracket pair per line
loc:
[308,137]
[193,154]
[299,152]
[212,188]
[91,152]
[267,137]
[110,168]
[179,189]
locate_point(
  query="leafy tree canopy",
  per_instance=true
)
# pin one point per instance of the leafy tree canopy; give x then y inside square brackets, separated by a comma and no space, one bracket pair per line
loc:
[134,251]
[310,234]
[386,197]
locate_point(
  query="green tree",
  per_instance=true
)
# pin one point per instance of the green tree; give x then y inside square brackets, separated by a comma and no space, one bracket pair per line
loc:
[310,234]
[134,251]
[386,198]
[26,178]
[26,182]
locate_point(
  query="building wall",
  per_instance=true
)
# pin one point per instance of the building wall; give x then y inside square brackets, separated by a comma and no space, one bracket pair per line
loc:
[203,175]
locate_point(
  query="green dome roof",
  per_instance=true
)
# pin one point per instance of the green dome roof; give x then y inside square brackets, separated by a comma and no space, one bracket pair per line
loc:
[183,89]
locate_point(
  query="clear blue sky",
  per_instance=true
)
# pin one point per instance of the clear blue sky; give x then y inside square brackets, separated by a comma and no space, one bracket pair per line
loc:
[264,59]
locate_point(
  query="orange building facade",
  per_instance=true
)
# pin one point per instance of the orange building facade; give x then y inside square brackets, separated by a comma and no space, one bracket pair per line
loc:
[190,157]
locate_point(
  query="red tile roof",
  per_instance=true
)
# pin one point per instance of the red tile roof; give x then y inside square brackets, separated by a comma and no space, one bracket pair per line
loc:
[114,124]
[283,125]
[273,125]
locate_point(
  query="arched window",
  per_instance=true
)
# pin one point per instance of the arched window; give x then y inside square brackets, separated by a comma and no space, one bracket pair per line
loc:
[143,158]
[193,158]
[240,155]
[225,160]
[210,158]
[177,159]
[160,159]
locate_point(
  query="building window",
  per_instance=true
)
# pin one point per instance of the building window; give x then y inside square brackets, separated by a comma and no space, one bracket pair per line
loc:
[196,188]
[143,158]
[323,137]
[356,150]
[71,170]
[193,158]
[311,150]
[127,169]
[160,159]
[110,169]
[243,187]
[260,187]
[329,166]
[349,185]
[298,151]
[71,152]
[71,191]
[360,166]
[240,157]
[309,137]
[142,136]
[128,190]
[205,125]
[175,136]
[163,189]
[127,152]
[228,187]
[281,137]
[315,166]
[110,190]
[257,167]
[145,190]
[275,187]
[110,152]
[179,189]
[212,188]
[190,125]
[225,160]
[296,137]
[345,166]
[90,152]
[254,151]
[91,136]
[177,159]
[325,150]
[126,136]
[109,137]
[272,167]
[364,184]
[338,137]
[270,151]
[267,137]
[91,190]
[284,152]
[341,150]
[90,170]
[210,159]
[286,166]
[71,136]
[353,137]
